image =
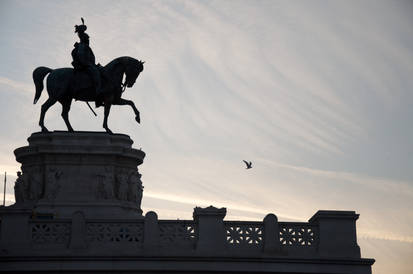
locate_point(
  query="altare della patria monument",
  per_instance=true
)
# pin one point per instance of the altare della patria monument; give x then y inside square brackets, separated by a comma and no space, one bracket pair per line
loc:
[78,201]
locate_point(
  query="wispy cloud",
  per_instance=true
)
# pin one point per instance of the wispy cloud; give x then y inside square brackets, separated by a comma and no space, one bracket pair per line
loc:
[17,86]
[384,235]
[205,203]
[401,187]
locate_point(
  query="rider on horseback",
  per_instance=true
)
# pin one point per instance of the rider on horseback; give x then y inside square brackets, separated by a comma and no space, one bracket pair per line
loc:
[84,60]
[66,84]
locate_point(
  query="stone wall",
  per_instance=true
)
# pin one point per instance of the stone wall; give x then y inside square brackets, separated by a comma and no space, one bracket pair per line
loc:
[326,243]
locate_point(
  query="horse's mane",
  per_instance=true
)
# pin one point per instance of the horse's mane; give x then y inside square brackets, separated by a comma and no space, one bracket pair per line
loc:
[122,60]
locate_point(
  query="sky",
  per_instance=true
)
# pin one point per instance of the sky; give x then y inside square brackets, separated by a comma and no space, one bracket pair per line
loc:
[317,94]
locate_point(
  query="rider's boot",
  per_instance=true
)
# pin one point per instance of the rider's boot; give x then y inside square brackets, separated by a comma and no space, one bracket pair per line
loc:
[99,93]
[95,74]
[99,96]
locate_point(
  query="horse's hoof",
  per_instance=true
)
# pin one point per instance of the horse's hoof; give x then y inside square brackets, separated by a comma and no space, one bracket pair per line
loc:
[45,130]
[138,119]
[109,131]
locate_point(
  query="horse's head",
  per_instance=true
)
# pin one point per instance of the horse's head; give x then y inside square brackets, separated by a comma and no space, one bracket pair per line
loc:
[132,70]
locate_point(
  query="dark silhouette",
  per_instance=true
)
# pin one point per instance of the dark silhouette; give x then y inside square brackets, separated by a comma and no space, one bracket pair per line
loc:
[84,60]
[64,84]
[249,164]
[87,81]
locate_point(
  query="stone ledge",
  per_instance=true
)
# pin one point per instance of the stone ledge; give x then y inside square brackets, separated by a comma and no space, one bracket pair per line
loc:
[65,137]
[171,264]
[333,214]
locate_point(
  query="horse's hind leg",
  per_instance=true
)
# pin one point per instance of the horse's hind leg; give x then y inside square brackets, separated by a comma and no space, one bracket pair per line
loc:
[65,113]
[49,102]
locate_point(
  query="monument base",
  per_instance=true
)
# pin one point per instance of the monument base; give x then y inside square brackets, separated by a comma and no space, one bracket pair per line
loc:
[77,210]
[94,172]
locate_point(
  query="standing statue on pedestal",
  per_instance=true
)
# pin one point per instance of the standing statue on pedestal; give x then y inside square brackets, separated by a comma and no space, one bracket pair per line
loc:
[19,189]
[85,82]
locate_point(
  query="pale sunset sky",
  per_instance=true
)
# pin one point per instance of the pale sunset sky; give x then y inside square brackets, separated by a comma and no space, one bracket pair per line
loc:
[317,94]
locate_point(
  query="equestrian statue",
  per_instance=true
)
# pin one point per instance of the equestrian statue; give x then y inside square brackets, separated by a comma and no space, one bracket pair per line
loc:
[87,81]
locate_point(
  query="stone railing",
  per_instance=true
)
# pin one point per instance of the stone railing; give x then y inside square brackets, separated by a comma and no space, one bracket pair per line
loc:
[50,232]
[241,234]
[114,231]
[298,234]
[329,233]
[177,233]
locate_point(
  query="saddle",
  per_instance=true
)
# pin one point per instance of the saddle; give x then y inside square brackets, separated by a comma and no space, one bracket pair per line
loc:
[82,81]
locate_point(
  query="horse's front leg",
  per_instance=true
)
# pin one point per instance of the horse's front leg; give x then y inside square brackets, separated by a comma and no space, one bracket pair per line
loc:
[130,103]
[105,119]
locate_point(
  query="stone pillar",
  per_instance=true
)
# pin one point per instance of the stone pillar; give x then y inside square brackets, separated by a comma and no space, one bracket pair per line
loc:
[271,234]
[151,233]
[337,233]
[78,231]
[211,230]
[15,231]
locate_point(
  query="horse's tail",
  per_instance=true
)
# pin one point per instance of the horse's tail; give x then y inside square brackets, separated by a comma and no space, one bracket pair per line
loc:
[38,76]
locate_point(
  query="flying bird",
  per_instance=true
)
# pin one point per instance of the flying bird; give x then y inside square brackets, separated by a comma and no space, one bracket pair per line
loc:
[249,164]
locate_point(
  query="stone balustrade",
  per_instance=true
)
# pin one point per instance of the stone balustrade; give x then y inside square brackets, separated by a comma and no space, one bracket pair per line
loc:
[328,233]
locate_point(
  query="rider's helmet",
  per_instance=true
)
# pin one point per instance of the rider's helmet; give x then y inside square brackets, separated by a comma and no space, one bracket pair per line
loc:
[81,28]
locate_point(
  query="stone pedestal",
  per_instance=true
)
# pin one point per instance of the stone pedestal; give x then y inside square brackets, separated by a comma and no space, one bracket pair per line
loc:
[92,172]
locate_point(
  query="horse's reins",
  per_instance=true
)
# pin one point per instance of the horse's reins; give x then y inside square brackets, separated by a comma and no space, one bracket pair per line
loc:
[123,85]
[91,108]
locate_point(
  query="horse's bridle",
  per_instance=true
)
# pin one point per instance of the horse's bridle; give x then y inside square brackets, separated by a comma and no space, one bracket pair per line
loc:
[123,86]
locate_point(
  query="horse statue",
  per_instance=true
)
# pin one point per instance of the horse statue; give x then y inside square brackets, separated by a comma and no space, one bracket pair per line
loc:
[66,84]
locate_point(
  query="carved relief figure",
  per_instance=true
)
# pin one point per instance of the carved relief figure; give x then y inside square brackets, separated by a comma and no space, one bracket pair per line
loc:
[108,187]
[135,188]
[105,185]
[122,182]
[132,187]
[36,184]
[52,184]
[140,191]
